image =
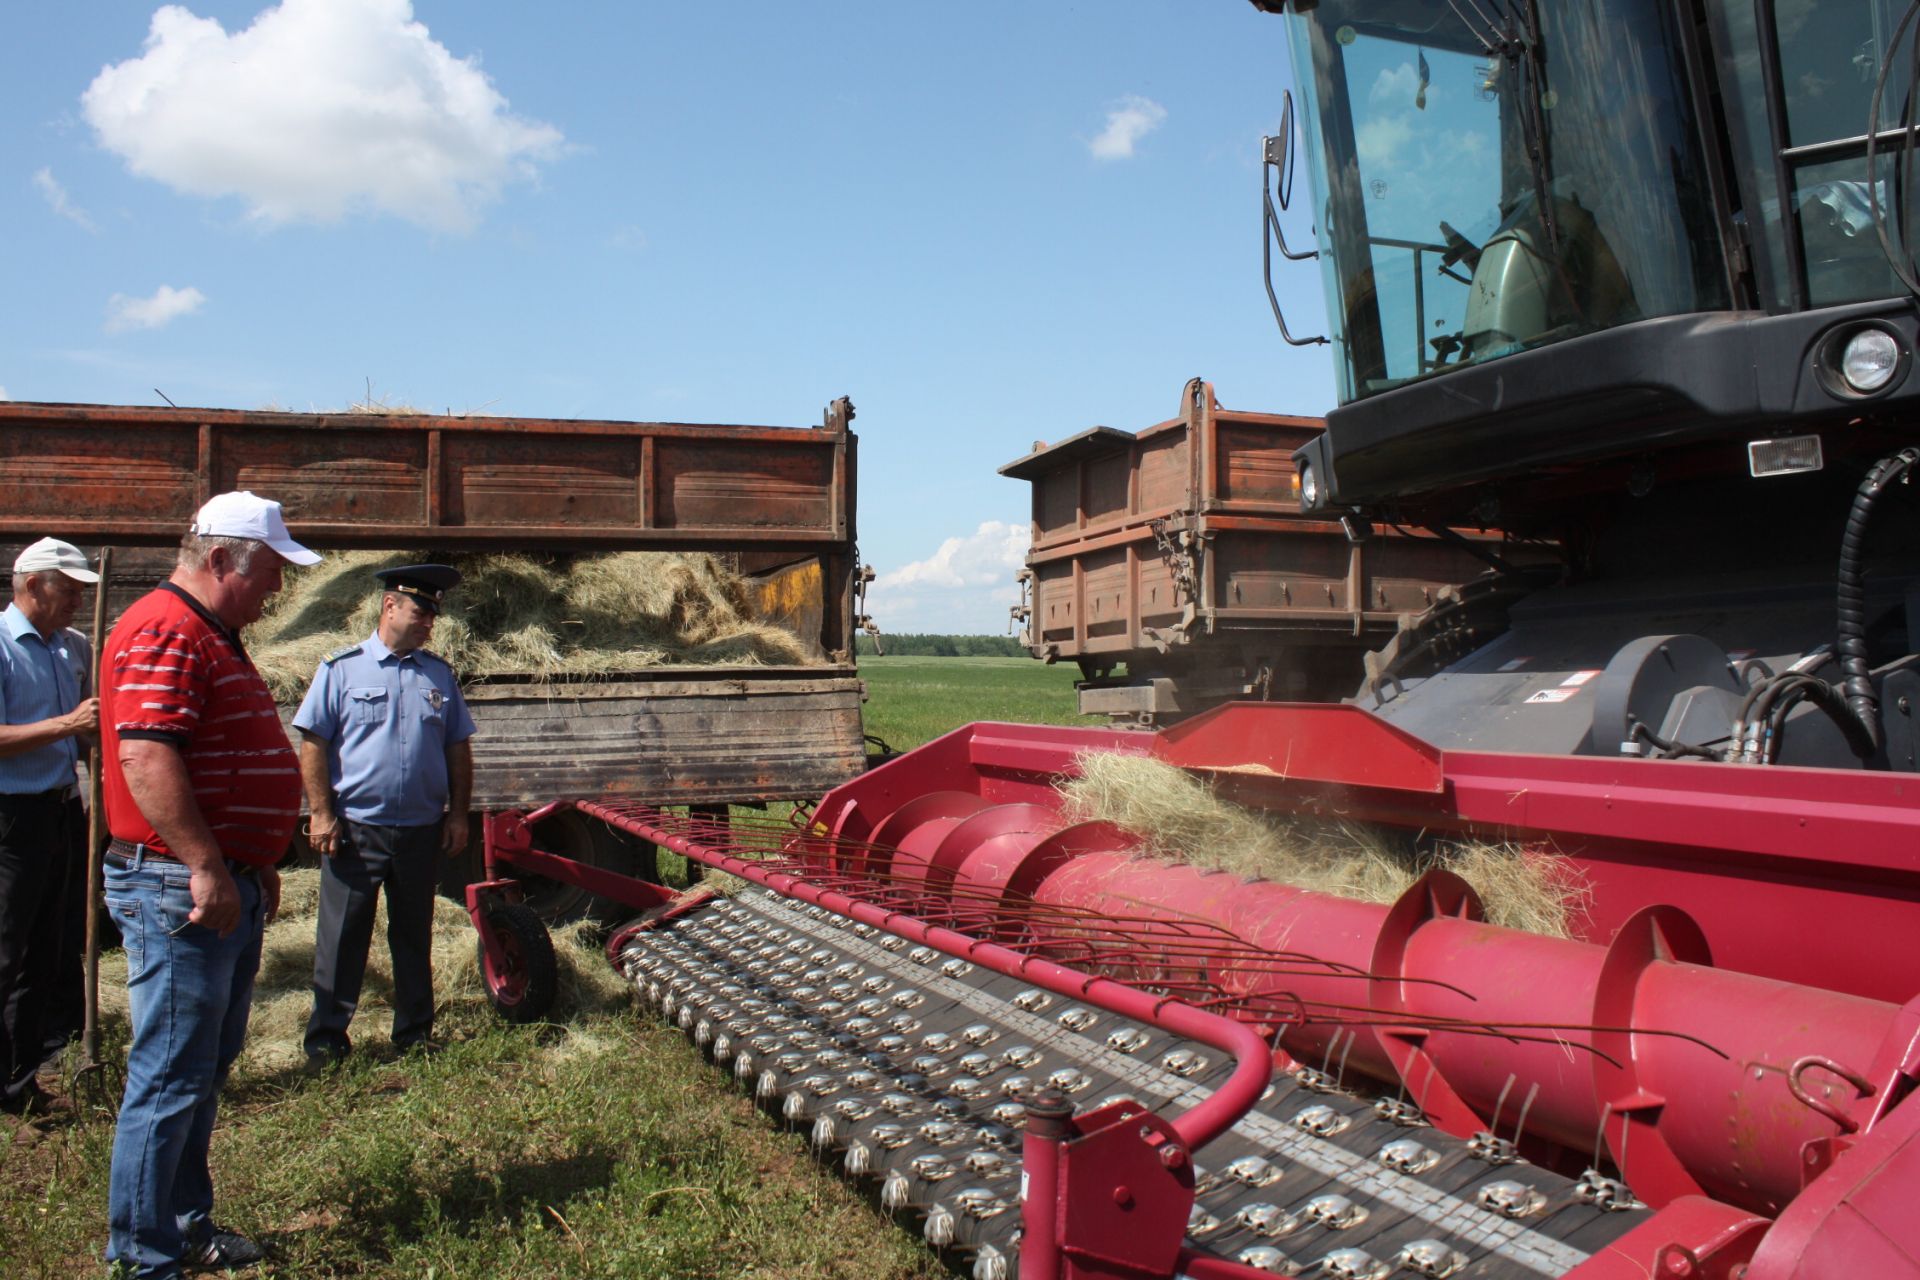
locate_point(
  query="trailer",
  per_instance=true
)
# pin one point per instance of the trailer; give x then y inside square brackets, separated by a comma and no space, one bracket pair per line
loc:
[1175,567]
[776,502]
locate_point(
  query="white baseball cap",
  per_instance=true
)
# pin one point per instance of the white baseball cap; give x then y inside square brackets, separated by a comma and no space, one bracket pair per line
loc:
[242,515]
[51,553]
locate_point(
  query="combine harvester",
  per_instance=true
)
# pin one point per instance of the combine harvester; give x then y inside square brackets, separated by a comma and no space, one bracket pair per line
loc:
[1631,280]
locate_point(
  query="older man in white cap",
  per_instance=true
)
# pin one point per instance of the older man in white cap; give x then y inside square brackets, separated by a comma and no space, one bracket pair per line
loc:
[202,793]
[46,712]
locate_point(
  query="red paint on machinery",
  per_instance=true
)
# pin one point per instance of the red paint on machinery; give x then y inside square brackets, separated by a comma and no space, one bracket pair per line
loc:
[1734,1054]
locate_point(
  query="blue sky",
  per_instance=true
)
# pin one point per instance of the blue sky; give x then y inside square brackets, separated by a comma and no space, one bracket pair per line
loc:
[989,224]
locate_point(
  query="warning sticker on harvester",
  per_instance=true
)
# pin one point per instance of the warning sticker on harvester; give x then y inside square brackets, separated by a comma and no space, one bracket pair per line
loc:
[1577,679]
[1514,665]
[1554,695]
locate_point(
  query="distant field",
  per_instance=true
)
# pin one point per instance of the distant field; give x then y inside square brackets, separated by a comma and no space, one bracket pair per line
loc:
[913,700]
[600,1146]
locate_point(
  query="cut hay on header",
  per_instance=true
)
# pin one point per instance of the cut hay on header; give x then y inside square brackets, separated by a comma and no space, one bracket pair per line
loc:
[1178,817]
[531,615]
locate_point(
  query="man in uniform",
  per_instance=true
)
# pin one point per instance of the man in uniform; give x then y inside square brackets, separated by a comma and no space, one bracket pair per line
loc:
[202,794]
[44,713]
[388,767]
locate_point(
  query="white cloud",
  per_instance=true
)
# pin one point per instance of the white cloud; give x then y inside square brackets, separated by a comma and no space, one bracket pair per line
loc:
[1128,121]
[56,198]
[4,395]
[1380,141]
[1394,86]
[164,307]
[966,586]
[629,237]
[988,555]
[320,109]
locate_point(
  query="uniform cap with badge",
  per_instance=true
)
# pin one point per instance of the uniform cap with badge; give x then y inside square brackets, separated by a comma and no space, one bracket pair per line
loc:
[425,584]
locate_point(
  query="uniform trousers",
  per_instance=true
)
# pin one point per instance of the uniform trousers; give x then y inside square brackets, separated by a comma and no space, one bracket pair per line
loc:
[42,843]
[405,862]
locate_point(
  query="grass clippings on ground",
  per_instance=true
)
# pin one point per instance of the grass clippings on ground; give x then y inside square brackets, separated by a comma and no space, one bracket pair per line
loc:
[597,1145]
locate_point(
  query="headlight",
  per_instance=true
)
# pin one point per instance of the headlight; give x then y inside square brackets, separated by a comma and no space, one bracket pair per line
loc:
[1869,360]
[1309,487]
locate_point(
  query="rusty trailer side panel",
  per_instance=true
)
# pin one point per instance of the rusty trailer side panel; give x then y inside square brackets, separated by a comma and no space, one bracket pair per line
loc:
[1183,546]
[701,736]
[135,476]
[776,502]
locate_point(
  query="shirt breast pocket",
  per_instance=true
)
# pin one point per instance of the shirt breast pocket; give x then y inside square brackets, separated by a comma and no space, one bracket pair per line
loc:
[430,706]
[367,706]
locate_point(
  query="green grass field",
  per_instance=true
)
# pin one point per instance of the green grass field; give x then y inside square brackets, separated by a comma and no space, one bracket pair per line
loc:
[600,1145]
[911,701]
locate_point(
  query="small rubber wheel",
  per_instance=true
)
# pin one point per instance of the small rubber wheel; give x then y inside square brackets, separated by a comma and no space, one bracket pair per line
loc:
[518,967]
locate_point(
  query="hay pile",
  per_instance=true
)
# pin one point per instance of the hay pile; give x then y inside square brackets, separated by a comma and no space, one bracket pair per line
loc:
[283,993]
[532,615]
[1178,817]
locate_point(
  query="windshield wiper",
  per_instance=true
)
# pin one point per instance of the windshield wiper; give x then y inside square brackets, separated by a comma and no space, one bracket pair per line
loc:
[1511,33]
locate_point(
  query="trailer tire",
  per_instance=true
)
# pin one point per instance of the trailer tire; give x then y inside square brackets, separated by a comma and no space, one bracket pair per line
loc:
[572,834]
[523,983]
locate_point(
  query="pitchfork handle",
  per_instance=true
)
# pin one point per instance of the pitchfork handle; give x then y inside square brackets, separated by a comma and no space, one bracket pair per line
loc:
[96,831]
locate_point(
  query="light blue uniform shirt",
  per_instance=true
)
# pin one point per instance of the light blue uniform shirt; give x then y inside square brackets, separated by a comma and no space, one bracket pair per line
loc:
[38,681]
[388,722]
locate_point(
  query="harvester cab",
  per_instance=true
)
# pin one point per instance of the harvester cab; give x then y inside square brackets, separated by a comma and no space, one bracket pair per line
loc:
[1635,279]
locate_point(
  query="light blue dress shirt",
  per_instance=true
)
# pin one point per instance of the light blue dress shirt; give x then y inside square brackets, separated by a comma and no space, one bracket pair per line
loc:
[388,722]
[38,681]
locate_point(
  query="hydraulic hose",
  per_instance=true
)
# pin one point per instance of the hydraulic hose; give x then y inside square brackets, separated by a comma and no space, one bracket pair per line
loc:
[1823,696]
[1851,644]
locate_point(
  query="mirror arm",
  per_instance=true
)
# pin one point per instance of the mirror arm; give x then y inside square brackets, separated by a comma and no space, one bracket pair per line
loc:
[1269,234]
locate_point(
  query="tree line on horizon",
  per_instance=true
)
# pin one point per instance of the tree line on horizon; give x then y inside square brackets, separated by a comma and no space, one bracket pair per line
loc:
[941,646]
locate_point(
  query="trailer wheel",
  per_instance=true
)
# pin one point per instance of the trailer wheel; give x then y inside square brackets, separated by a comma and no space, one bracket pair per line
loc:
[572,834]
[518,968]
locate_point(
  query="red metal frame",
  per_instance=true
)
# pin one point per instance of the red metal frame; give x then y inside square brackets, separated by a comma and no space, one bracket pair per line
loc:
[1806,875]
[1695,1077]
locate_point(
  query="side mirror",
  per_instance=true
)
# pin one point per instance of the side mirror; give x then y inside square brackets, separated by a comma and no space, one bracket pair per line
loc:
[1278,153]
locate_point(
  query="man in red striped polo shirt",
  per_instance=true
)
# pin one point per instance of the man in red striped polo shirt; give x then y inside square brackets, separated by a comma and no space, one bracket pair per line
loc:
[202,793]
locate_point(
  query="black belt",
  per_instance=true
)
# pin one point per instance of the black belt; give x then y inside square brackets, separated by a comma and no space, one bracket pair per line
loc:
[68,792]
[123,853]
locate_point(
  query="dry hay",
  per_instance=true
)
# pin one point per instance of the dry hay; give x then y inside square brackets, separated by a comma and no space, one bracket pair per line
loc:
[534,615]
[283,992]
[1178,817]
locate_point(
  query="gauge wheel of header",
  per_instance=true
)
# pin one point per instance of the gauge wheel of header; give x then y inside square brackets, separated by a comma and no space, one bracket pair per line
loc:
[517,962]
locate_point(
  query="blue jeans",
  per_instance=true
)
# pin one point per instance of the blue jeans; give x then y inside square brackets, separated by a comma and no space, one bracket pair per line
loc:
[189,991]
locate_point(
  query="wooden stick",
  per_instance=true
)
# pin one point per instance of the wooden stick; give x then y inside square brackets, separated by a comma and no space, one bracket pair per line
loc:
[96,830]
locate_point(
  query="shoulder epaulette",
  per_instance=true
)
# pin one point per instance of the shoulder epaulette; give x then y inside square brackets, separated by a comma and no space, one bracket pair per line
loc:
[346,652]
[428,653]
